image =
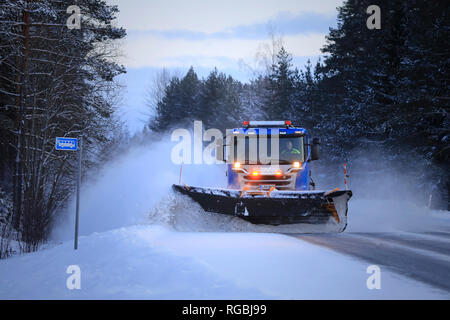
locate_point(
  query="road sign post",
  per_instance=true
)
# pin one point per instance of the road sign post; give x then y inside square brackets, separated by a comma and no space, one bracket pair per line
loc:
[73,144]
[77,214]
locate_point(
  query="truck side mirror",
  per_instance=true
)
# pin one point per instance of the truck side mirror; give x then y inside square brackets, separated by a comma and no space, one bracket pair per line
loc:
[315,149]
[219,150]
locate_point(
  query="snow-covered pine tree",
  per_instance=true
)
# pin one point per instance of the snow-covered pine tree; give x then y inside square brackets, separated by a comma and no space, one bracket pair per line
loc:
[55,81]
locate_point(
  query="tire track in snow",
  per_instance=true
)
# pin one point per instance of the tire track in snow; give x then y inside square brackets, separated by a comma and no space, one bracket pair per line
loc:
[412,240]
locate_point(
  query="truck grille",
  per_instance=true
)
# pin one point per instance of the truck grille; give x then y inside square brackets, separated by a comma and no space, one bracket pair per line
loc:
[280,182]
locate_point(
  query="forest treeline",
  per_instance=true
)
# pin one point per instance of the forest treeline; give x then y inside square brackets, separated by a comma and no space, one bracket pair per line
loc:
[55,81]
[384,90]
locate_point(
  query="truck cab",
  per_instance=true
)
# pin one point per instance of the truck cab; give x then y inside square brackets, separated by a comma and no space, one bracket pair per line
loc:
[268,155]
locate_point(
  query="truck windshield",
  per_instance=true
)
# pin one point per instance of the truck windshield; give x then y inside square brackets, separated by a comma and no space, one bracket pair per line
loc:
[290,149]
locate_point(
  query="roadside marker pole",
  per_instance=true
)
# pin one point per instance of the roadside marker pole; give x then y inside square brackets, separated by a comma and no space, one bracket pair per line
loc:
[345,176]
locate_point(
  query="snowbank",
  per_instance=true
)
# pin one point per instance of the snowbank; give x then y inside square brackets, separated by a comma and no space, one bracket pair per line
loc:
[114,265]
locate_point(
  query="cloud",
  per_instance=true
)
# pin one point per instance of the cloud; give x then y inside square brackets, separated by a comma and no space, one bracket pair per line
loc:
[284,23]
[156,51]
[208,16]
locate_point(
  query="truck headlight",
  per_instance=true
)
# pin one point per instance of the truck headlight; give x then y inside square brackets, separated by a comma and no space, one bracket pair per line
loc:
[296,164]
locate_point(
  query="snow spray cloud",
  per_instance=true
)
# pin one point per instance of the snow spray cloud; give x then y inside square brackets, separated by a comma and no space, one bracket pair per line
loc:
[390,195]
[124,191]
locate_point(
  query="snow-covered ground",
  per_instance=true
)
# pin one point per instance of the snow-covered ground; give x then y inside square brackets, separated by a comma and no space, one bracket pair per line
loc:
[154,262]
[141,241]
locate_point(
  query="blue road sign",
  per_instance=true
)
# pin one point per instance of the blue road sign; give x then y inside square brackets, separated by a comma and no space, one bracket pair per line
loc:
[70,144]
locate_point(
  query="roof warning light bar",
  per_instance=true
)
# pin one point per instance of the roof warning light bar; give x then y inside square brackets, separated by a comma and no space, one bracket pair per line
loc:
[257,124]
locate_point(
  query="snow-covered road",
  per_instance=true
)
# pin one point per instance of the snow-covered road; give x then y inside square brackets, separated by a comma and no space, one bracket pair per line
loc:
[422,256]
[154,262]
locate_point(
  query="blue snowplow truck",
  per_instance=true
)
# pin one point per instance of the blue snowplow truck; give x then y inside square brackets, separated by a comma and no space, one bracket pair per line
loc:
[269,179]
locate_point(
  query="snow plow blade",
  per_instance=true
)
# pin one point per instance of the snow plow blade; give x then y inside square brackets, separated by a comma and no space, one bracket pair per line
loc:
[275,207]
